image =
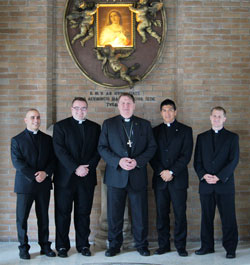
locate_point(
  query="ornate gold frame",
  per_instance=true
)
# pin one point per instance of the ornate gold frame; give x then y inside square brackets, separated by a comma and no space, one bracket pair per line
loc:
[120,8]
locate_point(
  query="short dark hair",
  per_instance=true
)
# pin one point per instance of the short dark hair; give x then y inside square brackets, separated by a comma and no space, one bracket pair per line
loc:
[220,109]
[125,94]
[168,102]
[80,99]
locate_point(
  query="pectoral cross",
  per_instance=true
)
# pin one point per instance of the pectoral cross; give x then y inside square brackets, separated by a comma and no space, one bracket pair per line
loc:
[129,143]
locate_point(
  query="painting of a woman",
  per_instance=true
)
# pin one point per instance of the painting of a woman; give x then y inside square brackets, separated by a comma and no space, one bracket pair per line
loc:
[113,32]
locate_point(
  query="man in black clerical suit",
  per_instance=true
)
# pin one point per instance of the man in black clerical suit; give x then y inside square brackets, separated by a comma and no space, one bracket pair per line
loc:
[170,180]
[127,144]
[75,142]
[33,157]
[216,157]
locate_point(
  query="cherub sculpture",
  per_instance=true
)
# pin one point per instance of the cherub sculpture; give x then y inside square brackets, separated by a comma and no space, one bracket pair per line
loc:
[110,58]
[86,18]
[146,17]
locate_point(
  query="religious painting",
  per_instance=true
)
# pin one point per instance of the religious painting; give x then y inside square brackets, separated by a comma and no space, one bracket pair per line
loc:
[114,25]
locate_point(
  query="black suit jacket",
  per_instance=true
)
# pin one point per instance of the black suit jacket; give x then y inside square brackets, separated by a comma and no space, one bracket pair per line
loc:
[28,160]
[112,147]
[172,154]
[220,162]
[71,152]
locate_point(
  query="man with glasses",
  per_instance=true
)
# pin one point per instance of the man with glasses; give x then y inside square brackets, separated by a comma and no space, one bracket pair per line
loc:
[75,142]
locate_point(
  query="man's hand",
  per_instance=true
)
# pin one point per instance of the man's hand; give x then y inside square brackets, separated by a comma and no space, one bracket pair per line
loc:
[166,175]
[82,170]
[40,176]
[127,163]
[211,179]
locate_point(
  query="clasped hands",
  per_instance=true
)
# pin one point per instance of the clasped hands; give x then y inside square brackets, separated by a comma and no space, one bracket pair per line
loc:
[211,179]
[166,175]
[127,163]
[82,170]
[40,176]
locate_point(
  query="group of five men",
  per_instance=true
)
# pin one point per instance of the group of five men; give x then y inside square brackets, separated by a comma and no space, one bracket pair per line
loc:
[127,144]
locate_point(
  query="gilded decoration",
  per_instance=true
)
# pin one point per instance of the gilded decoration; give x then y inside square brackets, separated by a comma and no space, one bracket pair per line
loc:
[115,44]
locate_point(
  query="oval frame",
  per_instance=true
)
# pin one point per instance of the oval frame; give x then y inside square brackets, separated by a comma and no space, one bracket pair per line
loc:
[78,53]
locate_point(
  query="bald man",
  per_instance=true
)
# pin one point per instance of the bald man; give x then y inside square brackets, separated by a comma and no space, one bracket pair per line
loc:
[33,158]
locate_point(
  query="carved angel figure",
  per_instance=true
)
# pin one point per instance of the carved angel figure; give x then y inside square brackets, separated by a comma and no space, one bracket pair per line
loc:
[86,16]
[145,16]
[111,59]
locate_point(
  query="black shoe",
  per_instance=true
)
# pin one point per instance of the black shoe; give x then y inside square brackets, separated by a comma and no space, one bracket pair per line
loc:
[62,253]
[203,251]
[112,252]
[24,254]
[86,252]
[182,252]
[161,251]
[48,252]
[230,255]
[143,251]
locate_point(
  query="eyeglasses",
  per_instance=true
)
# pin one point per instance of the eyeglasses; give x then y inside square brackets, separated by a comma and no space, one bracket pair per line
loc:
[78,108]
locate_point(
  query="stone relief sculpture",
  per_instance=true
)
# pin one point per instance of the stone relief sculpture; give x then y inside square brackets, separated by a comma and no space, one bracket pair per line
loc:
[110,58]
[146,17]
[86,18]
[113,27]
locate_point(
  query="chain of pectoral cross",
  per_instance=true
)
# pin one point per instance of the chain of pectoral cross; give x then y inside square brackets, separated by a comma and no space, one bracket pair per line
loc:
[129,143]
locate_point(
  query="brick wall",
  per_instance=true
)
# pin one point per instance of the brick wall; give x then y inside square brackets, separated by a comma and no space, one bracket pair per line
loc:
[214,69]
[26,81]
[205,62]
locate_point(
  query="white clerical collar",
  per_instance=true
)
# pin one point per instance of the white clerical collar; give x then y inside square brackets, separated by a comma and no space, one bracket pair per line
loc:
[34,132]
[79,121]
[126,119]
[169,124]
[217,131]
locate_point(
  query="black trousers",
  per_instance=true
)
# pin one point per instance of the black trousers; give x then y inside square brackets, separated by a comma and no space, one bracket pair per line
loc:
[23,207]
[82,198]
[226,207]
[163,199]
[139,210]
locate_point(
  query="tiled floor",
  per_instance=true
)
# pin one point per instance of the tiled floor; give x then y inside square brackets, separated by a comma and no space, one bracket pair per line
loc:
[9,256]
